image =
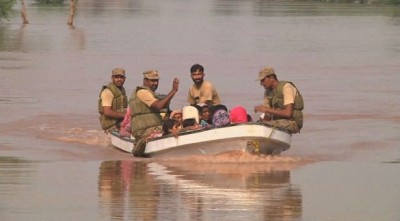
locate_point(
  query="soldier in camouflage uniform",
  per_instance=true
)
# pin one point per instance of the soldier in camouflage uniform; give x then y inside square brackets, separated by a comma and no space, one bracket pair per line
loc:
[283,103]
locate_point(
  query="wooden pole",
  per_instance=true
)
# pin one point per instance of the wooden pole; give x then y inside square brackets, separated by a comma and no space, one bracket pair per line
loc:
[71,13]
[24,16]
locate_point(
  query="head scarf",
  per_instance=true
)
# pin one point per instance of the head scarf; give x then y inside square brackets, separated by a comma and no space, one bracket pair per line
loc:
[238,115]
[220,118]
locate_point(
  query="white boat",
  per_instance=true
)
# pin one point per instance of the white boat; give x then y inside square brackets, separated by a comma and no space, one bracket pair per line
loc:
[250,137]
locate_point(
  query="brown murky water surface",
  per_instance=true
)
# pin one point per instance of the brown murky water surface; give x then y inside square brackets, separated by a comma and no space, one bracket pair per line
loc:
[56,163]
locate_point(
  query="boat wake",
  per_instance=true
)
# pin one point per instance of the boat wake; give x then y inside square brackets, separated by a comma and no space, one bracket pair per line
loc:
[83,130]
[66,128]
[240,158]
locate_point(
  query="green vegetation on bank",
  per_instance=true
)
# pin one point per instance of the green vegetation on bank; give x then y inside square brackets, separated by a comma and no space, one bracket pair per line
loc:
[393,2]
[373,2]
[5,8]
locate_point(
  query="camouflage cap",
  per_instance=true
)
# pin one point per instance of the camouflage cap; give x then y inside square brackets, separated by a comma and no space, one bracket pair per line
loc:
[265,72]
[151,74]
[118,72]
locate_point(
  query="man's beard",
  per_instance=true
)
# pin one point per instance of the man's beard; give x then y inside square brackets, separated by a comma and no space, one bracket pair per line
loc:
[198,81]
[154,88]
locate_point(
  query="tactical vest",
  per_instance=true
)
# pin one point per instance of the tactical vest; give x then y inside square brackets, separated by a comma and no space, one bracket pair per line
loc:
[142,117]
[119,103]
[298,106]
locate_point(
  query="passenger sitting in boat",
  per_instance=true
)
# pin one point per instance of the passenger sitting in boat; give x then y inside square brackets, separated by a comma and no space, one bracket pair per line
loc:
[238,115]
[205,120]
[190,124]
[190,112]
[220,116]
[177,116]
[170,127]
[190,116]
[201,91]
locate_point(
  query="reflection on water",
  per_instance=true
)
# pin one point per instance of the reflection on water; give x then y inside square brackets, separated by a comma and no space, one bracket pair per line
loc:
[16,175]
[196,191]
[23,38]
[127,191]
[78,37]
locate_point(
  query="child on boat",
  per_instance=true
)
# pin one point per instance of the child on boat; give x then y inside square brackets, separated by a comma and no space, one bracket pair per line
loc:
[170,127]
[205,120]
[177,116]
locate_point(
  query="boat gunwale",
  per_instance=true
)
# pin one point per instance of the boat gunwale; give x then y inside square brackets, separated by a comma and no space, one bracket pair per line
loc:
[188,132]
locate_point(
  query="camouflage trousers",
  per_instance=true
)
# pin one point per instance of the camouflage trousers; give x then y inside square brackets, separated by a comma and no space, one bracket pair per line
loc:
[141,137]
[284,124]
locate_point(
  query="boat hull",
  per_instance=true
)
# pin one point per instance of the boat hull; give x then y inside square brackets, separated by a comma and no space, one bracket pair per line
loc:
[250,137]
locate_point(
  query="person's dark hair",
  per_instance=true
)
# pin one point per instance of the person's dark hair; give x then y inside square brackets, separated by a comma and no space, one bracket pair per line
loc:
[204,107]
[167,125]
[197,107]
[214,109]
[249,118]
[196,67]
[188,122]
